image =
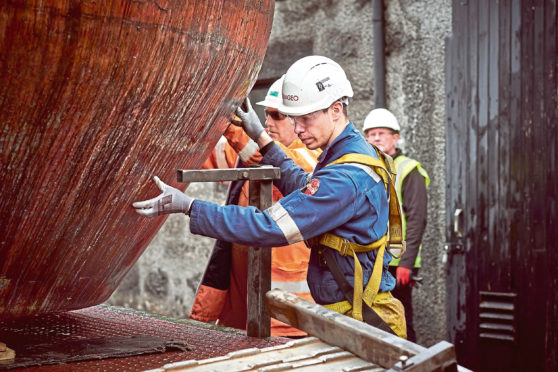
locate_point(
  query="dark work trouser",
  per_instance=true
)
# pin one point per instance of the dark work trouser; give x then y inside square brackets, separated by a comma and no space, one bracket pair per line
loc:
[405,295]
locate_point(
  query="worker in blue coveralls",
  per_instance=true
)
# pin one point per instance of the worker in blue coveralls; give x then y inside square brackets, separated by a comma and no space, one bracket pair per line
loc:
[342,209]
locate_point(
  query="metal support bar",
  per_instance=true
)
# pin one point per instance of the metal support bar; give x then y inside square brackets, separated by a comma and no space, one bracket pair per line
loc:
[265,172]
[258,321]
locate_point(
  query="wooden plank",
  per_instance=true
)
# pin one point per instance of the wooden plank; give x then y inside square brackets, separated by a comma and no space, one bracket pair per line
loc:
[471,122]
[307,354]
[456,89]
[550,129]
[258,321]
[367,342]
[215,175]
[494,248]
[504,125]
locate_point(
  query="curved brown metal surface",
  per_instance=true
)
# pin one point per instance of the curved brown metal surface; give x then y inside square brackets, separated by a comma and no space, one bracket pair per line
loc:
[96,97]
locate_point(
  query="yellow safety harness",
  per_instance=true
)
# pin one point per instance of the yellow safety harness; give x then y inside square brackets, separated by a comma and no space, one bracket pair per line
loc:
[384,167]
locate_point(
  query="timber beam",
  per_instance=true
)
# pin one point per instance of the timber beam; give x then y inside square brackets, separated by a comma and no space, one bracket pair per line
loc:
[367,342]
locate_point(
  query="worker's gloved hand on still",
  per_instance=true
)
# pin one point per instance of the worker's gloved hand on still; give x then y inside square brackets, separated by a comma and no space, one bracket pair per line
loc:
[170,201]
[403,274]
[250,121]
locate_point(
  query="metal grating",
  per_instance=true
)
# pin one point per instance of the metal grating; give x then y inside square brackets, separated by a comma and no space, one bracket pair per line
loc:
[497,316]
[205,340]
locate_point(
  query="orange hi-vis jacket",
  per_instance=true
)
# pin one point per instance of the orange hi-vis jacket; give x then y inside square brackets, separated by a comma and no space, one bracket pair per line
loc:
[223,299]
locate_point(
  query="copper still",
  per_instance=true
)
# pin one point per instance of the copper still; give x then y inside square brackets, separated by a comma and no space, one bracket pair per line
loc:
[96,98]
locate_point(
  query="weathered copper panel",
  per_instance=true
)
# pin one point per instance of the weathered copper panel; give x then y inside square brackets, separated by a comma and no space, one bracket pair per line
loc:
[96,97]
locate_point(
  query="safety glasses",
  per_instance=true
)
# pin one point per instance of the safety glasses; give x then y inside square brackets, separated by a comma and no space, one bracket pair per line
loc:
[304,120]
[275,115]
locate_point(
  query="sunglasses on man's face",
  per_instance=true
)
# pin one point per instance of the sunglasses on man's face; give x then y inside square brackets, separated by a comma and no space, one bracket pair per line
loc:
[275,115]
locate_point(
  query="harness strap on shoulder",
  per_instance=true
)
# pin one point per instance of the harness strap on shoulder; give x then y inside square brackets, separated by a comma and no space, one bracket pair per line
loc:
[384,167]
[387,173]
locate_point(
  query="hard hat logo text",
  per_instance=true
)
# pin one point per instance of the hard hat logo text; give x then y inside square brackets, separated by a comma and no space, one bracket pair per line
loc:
[322,84]
[290,97]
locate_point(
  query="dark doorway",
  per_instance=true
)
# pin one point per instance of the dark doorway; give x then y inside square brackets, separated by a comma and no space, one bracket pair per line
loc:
[502,242]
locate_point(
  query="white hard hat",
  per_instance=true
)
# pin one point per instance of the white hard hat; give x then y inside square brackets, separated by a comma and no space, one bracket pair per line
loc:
[380,118]
[273,96]
[313,83]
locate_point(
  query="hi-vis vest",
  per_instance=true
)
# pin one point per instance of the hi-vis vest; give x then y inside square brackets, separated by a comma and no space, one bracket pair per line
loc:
[385,168]
[405,165]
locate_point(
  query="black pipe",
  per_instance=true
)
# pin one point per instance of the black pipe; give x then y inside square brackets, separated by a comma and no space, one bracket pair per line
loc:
[379,53]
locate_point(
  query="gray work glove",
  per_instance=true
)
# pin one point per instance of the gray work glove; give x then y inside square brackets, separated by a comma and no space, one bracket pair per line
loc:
[250,121]
[170,201]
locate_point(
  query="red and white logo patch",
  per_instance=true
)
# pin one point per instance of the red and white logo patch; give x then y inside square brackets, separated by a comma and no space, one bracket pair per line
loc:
[312,186]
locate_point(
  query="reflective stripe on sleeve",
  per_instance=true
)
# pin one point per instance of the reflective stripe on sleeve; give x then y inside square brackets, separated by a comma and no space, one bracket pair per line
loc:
[285,223]
[292,287]
[220,155]
[248,151]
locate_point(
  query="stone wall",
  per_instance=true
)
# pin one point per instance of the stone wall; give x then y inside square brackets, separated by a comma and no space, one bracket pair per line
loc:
[165,278]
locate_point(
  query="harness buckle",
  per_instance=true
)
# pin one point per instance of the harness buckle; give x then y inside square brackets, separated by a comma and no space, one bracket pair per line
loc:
[397,250]
[345,247]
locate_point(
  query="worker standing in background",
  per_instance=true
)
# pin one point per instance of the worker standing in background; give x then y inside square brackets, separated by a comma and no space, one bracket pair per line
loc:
[382,130]
[342,208]
[222,293]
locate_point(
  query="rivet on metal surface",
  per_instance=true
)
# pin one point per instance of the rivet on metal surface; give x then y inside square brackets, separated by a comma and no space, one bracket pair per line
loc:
[403,360]
[245,175]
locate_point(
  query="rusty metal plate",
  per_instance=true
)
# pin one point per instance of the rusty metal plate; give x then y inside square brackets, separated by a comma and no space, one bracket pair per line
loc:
[72,350]
[97,97]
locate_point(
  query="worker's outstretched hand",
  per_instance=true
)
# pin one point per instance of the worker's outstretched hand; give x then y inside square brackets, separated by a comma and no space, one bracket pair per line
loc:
[403,274]
[170,201]
[250,121]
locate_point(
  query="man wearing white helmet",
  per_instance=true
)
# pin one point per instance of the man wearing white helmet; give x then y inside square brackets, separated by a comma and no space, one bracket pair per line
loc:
[342,208]
[382,130]
[222,293]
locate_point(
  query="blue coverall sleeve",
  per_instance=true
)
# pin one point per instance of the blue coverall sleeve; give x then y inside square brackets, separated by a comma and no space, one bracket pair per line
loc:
[313,214]
[292,175]
[296,217]
[235,224]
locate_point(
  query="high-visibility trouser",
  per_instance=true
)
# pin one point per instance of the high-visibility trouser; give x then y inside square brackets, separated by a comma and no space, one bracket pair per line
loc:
[389,308]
